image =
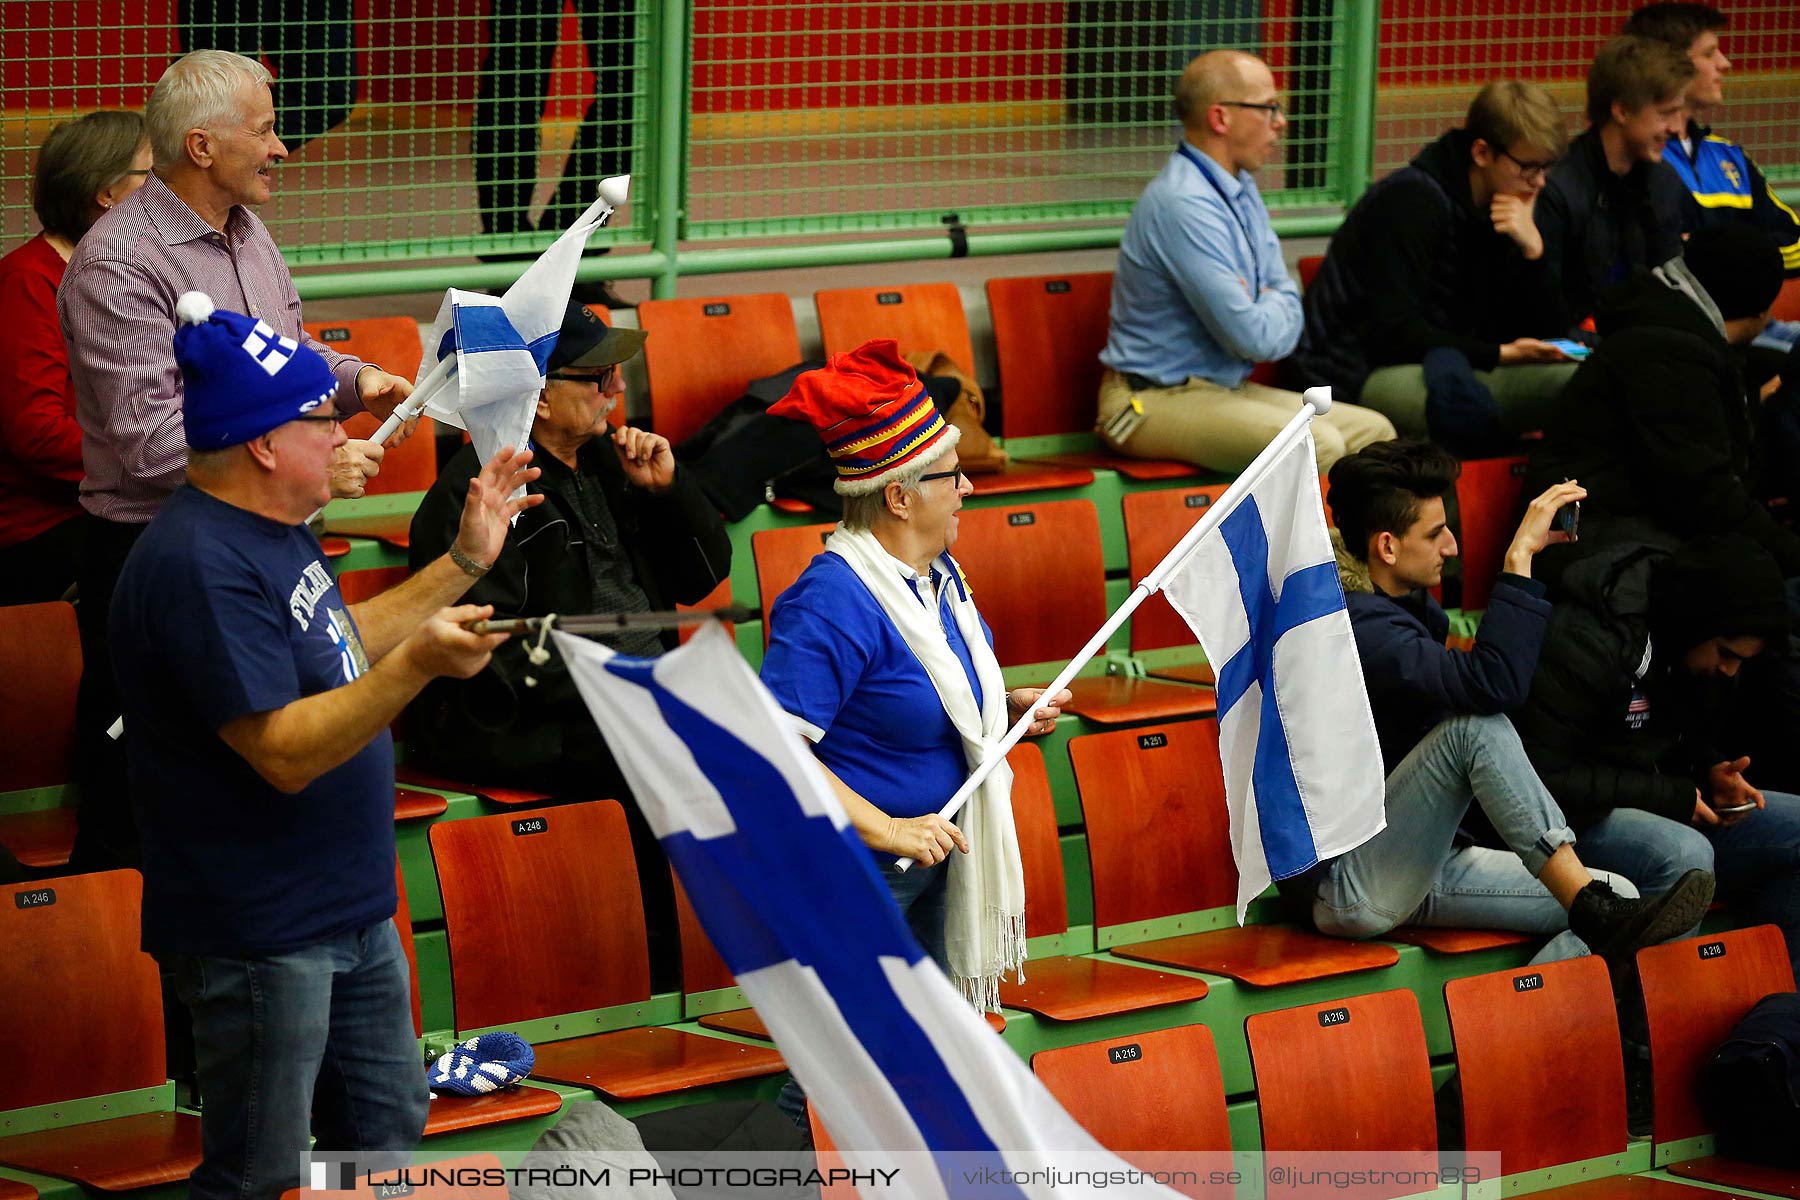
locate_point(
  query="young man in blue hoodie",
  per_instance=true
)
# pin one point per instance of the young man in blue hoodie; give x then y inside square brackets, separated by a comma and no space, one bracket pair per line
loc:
[1446,746]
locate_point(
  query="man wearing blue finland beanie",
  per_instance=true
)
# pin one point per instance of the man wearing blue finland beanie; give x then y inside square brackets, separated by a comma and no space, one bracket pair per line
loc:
[256,708]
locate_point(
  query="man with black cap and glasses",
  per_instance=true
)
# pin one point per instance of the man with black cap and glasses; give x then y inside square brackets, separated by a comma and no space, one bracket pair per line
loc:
[622,529]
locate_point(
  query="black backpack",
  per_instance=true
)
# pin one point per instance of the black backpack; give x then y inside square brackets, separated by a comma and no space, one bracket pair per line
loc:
[1750,1090]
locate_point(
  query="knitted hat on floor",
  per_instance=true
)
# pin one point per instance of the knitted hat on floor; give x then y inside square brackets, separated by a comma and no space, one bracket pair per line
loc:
[240,378]
[482,1064]
[874,415]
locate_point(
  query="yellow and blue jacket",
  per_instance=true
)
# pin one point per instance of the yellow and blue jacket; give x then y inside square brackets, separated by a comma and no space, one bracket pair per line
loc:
[1725,185]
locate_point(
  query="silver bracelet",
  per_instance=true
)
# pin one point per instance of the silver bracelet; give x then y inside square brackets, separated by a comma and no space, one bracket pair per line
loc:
[469,566]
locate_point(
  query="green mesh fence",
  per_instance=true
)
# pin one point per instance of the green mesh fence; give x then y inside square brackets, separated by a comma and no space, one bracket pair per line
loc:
[432,130]
[836,117]
[1435,54]
[416,128]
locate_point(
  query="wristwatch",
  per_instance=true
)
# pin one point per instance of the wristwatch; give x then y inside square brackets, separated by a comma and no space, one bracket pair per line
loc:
[469,566]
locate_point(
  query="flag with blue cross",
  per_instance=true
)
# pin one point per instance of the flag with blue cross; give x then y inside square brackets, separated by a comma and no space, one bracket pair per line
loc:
[892,1058]
[1303,770]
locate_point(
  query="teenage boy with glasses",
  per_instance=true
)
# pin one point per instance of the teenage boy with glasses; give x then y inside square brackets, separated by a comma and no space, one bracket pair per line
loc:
[1434,298]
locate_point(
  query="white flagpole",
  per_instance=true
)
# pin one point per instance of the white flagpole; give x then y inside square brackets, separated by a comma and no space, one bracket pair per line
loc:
[1314,401]
[414,404]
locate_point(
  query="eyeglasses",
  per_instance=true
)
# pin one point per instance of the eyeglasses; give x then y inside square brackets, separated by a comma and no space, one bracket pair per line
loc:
[1530,170]
[602,381]
[145,171]
[956,474]
[1273,108]
[332,417]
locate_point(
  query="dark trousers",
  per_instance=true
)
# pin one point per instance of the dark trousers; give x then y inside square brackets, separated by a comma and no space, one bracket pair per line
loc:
[310,45]
[515,82]
[40,568]
[106,836]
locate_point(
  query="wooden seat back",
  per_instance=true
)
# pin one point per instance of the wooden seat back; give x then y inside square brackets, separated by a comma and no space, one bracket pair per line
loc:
[40,659]
[1489,501]
[84,1001]
[1695,992]
[702,351]
[1345,1075]
[1145,1096]
[391,343]
[781,555]
[919,316]
[1154,523]
[1159,840]
[1038,575]
[1048,334]
[1539,1109]
[542,912]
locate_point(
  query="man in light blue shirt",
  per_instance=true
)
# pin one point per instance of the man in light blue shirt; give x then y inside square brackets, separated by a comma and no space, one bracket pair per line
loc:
[1201,294]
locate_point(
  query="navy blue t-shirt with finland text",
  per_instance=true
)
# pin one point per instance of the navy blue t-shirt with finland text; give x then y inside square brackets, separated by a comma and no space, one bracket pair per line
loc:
[221,613]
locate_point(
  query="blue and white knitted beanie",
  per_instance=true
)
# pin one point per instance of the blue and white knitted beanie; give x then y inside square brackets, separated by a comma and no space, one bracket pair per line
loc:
[240,378]
[482,1064]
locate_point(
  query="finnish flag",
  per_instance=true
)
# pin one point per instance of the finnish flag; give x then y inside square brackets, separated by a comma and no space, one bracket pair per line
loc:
[1303,769]
[892,1058]
[503,343]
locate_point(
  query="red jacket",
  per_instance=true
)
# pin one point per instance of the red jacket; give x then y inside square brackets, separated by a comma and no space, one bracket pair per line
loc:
[40,444]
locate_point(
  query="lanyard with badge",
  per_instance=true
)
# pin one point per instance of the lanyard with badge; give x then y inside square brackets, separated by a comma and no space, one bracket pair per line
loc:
[1188,152]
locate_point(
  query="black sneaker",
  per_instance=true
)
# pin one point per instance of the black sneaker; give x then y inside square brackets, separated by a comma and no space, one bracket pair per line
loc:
[1616,928]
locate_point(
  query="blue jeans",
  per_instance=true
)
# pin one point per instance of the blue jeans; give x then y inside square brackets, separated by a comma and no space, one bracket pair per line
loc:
[1758,865]
[319,1038]
[1412,872]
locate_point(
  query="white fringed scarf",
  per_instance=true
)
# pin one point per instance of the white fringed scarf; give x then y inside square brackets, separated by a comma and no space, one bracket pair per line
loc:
[985,925]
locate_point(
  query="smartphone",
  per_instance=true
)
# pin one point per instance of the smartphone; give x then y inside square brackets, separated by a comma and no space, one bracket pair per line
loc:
[1736,808]
[1568,519]
[1573,349]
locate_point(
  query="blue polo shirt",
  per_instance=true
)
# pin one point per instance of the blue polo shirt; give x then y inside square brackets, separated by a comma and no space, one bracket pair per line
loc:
[838,665]
[221,613]
[1200,288]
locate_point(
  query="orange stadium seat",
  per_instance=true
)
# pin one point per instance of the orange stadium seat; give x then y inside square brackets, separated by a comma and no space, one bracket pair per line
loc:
[450,1113]
[1048,334]
[518,891]
[86,1004]
[1017,559]
[40,659]
[921,317]
[1489,501]
[1069,987]
[1153,798]
[1342,1074]
[703,351]
[1695,992]
[1176,1097]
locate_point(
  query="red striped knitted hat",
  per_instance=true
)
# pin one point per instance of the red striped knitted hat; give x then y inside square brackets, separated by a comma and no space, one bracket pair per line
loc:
[874,415]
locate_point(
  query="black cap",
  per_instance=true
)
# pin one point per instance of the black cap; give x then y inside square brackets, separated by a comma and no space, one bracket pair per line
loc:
[587,341]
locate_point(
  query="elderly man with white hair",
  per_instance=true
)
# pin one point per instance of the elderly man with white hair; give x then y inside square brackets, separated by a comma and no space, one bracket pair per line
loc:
[211,124]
